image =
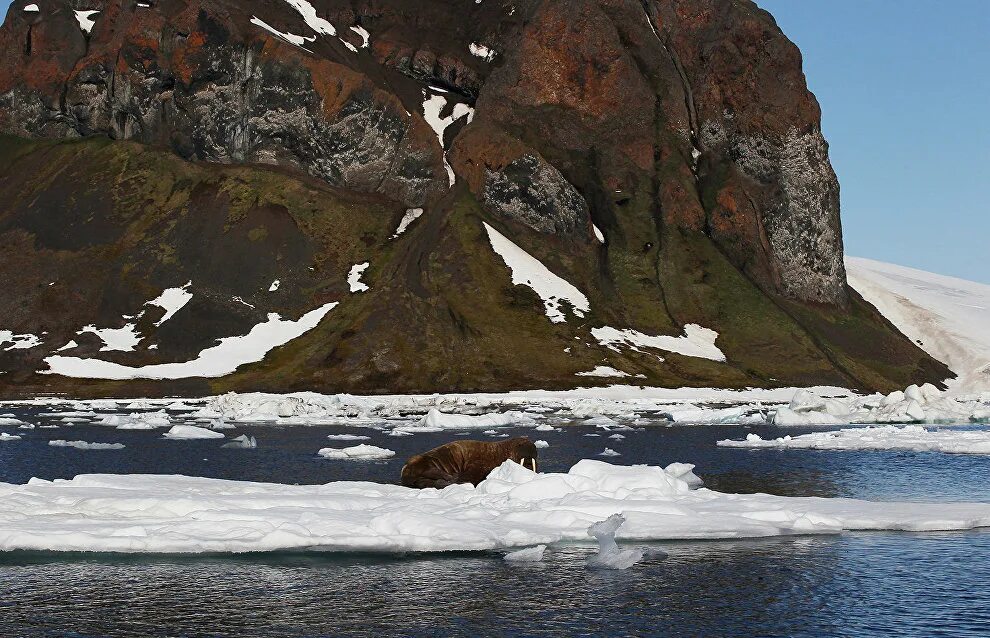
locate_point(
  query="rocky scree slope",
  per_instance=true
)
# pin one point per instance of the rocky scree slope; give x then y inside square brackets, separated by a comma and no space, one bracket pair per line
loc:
[658,164]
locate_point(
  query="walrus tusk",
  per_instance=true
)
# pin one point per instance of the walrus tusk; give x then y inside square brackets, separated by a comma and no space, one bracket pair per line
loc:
[534,465]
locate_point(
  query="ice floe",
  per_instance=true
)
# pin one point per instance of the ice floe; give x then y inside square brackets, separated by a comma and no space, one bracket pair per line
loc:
[609,555]
[360,452]
[887,437]
[84,445]
[529,271]
[348,437]
[136,420]
[243,442]
[185,432]
[528,555]
[512,508]
[924,404]
[9,437]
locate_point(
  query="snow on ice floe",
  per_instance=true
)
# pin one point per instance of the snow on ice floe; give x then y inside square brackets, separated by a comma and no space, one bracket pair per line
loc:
[886,437]
[10,420]
[433,105]
[512,508]
[86,20]
[437,421]
[9,437]
[360,452]
[696,342]
[84,445]
[529,271]
[411,215]
[216,361]
[354,278]
[348,437]
[190,432]
[948,317]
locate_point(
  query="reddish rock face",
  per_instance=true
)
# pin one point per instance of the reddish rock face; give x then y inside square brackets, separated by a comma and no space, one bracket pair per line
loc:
[681,130]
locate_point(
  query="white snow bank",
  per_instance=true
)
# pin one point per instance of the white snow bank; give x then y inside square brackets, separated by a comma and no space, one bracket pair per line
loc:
[186,432]
[217,361]
[433,106]
[512,508]
[948,317]
[696,342]
[888,437]
[356,453]
[291,38]
[354,277]
[529,271]
[85,20]
[172,300]
[115,339]
[604,372]
[19,341]
[83,445]
[411,215]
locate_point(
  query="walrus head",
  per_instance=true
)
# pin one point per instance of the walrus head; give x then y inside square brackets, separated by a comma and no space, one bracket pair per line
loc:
[523,452]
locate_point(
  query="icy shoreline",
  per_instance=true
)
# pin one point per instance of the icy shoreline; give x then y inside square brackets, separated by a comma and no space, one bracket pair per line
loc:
[513,508]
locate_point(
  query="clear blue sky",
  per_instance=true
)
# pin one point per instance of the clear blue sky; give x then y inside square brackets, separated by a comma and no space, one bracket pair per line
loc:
[905,90]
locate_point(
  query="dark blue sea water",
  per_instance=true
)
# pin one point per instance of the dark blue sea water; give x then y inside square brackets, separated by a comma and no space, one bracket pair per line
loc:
[858,584]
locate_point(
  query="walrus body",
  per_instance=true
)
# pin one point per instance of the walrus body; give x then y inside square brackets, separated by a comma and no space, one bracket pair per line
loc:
[465,462]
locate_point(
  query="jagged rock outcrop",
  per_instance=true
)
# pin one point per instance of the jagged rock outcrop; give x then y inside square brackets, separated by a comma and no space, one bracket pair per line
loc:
[664,157]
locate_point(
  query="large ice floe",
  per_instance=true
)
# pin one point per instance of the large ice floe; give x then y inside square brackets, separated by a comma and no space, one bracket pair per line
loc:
[924,404]
[885,437]
[513,508]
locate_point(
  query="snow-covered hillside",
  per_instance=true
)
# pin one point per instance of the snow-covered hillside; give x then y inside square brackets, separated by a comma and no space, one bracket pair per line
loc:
[948,317]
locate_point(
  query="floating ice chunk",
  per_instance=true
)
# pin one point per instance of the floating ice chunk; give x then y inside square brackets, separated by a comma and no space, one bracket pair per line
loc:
[609,555]
[541,444]
[684,472]
[546,427]
[242,442]
[188,432]
[617,437]
[83,445]
[9,437]
[609,452]
[411,215]
[356,453]
[26,426]
[137,420]
[348,437]
[528,555]
[10,421]
[911,438]
[354,277]
[697,341]
[529,271]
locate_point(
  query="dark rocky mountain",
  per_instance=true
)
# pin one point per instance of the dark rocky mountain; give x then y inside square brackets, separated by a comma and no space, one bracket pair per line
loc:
[663,157]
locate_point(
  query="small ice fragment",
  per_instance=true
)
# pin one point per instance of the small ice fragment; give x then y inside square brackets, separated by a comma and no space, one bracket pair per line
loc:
[185,432]
[243,442]
[542,444]
[84,445]
[528,555]
[609,555]
[609,452]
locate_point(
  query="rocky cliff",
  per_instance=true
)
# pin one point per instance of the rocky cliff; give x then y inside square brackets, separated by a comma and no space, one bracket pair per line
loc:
[629,188]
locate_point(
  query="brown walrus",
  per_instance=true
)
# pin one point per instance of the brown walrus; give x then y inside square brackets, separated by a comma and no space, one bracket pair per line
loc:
[465,462]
